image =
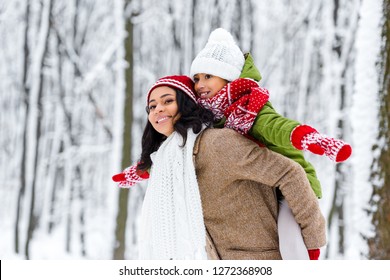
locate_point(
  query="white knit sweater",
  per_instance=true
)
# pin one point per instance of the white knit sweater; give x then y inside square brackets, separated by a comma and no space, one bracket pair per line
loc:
[172,225]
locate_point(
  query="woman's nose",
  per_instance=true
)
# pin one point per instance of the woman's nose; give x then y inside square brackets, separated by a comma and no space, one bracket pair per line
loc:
[159,107]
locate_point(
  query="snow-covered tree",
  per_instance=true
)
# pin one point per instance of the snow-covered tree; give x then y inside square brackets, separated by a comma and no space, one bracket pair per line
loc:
[72,109]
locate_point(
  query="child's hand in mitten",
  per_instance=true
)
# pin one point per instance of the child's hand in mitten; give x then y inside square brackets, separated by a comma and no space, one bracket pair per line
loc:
[314,254]
[130,176]
[306,138]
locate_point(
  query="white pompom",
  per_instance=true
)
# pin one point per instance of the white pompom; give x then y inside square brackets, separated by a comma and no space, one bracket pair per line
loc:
[221,35]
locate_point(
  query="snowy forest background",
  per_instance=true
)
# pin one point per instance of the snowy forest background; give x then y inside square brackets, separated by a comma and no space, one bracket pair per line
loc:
[73,81]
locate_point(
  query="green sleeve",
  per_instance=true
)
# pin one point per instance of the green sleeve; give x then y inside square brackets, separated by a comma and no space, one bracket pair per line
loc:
[273,127]
[250,70]
[274,131]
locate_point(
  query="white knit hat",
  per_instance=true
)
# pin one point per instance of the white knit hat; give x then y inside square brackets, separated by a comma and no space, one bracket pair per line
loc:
[220,57]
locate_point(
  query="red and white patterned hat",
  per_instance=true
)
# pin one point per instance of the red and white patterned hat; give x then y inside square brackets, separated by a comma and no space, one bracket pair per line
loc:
[183,83]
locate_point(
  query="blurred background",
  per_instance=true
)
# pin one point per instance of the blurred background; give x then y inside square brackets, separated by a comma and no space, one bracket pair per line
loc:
[73,79]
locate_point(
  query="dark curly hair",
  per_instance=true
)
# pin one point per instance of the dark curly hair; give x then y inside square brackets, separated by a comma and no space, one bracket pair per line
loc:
[191,116]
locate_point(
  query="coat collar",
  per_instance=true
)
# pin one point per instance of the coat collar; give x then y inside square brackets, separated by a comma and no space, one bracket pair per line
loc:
[197,142]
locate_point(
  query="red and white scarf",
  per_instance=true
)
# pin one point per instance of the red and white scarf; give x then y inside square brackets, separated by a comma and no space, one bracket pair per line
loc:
[239,101]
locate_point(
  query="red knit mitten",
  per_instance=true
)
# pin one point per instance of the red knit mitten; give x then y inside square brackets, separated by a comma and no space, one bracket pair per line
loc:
[306,138]
[314,254]
[130,176]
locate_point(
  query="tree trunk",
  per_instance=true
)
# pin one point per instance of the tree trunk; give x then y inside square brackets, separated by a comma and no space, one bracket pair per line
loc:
[24,141]
[37,117]
[121,219]
[344,36]
[379,244]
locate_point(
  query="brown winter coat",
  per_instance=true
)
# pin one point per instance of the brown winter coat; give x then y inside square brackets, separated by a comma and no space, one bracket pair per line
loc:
[237,182]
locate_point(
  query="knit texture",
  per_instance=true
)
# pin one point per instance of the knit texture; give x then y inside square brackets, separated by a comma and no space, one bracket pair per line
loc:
[220,57]
[130,176]
[314,254]
[238,101]
[306,138]
[183,83]
[172,225]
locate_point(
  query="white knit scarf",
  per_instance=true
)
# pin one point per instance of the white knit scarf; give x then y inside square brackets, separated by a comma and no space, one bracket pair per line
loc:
[172,225]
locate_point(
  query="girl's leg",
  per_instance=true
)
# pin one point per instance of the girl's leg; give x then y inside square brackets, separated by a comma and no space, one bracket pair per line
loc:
[291,243]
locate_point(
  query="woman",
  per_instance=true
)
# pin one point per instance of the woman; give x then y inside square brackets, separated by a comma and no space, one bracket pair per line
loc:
[214,183]
[172,224]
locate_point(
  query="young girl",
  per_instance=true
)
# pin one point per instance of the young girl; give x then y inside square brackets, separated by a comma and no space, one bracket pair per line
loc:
[225,82]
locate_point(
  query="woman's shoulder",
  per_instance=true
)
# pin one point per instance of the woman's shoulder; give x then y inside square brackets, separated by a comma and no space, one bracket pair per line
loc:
[221,139]
[218,133]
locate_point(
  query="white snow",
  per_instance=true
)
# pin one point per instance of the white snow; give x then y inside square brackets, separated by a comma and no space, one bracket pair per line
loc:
[293,45]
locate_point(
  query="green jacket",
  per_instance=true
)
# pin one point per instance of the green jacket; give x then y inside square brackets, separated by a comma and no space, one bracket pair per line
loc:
[274,130]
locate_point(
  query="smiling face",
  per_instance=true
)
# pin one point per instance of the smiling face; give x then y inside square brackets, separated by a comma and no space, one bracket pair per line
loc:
[163,110]
[207,86]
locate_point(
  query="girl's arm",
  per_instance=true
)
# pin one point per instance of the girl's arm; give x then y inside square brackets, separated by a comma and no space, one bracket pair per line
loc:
[273,130]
